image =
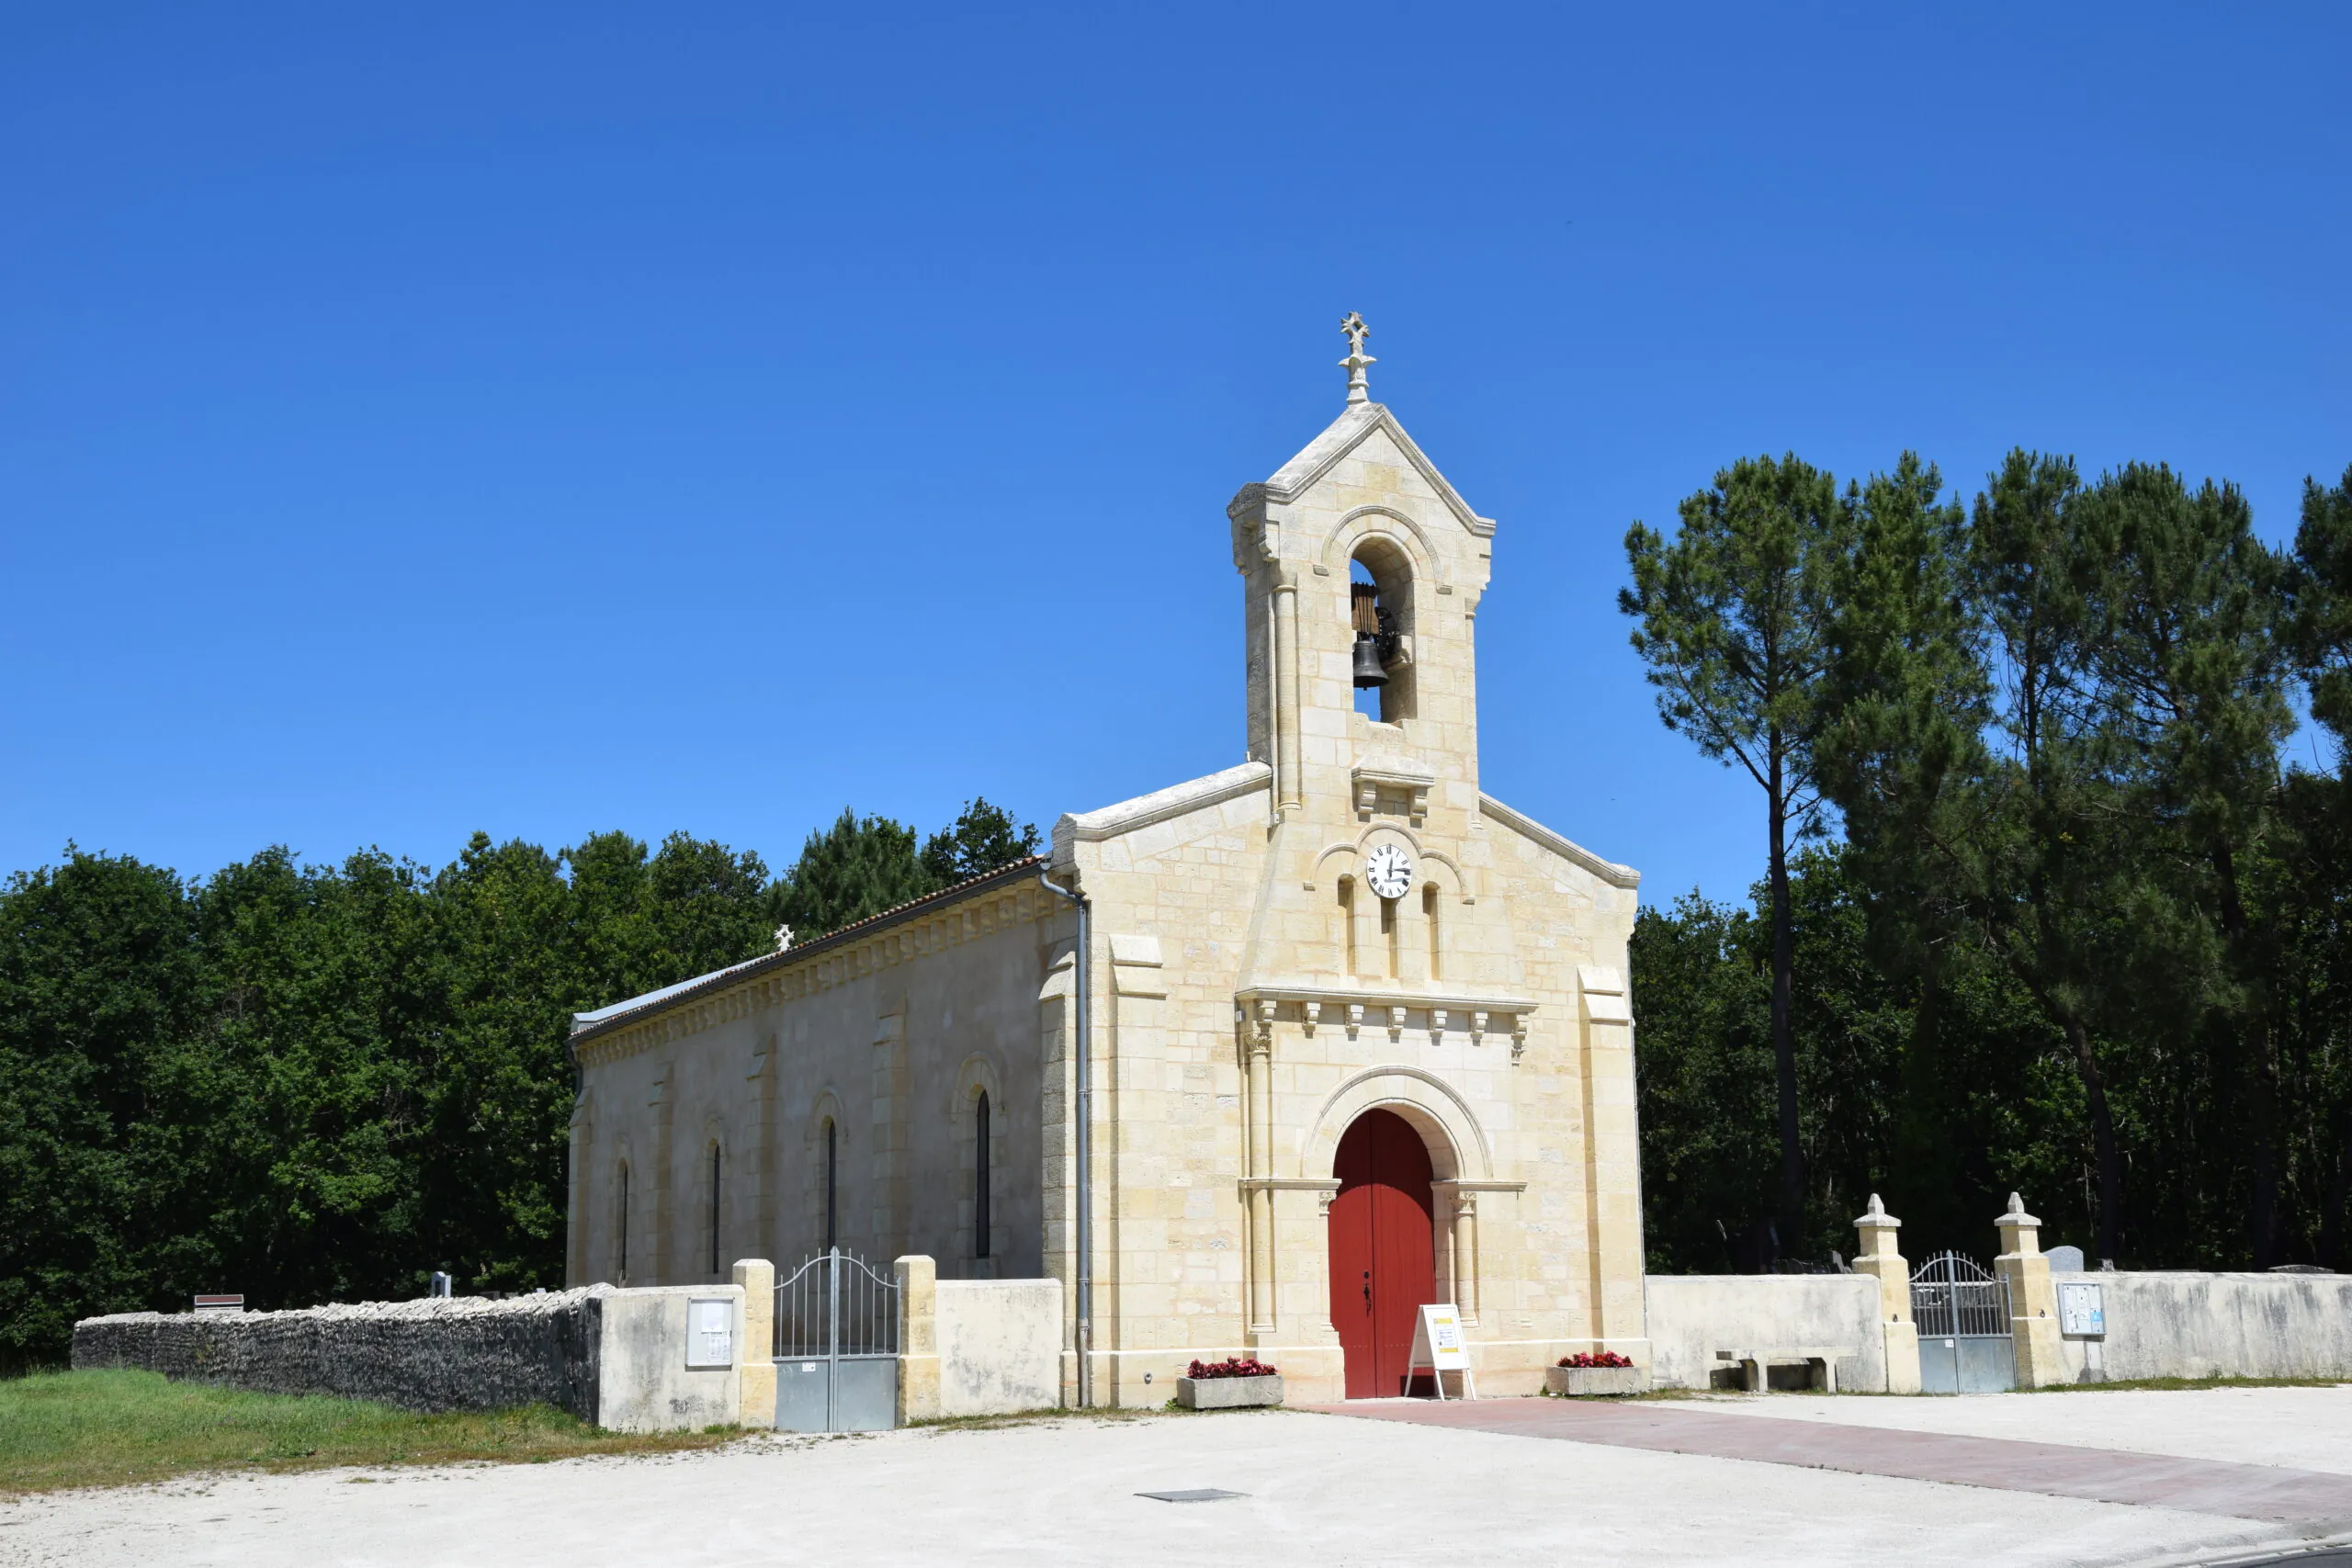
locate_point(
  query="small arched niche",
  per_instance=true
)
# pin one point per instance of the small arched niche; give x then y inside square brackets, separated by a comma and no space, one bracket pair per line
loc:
[1380,613]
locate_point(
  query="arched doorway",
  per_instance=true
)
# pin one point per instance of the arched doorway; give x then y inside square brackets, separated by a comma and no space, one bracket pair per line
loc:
[1384,1261]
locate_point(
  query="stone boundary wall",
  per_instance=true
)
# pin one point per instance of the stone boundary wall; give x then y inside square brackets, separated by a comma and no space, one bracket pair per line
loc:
[436,1353]
[1691,1316]
[1000,1346]
[2199,1326]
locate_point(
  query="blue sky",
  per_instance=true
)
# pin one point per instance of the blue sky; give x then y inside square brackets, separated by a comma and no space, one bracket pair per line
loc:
[544,420]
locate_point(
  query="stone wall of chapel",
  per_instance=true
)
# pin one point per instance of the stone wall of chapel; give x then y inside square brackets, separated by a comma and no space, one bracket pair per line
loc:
[891,1042]
[1559,1262]
[1168,1218]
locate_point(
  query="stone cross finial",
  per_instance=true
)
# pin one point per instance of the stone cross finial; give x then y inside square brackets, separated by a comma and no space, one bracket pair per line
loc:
[783,938]
[1356,331]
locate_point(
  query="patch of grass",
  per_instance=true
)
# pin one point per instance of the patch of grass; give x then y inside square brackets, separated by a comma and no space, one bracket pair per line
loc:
[2130,1384]
[115,1428]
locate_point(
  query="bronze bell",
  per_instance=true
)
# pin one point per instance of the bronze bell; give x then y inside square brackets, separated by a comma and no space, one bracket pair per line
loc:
[1364,614]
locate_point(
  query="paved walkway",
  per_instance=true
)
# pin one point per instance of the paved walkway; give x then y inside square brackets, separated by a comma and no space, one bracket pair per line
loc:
[2310,1498]
[1321,1490]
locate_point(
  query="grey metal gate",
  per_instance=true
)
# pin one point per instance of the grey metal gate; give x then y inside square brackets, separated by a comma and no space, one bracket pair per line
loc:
[1962,1314]
[836,1347]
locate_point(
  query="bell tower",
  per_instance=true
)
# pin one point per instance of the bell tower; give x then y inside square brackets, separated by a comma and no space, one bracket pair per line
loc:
[1361,570]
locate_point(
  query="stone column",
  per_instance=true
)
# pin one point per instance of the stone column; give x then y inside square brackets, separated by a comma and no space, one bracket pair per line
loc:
[890,1132]
[1878,1256]
[1286,729]
[1466,1256]
[576,1253]
[762,1078]
[918,1279]
[665,1109]
[2033,1300]
[1258,1046]
[755,1356]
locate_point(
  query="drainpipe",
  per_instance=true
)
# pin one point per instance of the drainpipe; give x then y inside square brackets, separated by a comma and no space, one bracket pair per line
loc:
[1085,1151]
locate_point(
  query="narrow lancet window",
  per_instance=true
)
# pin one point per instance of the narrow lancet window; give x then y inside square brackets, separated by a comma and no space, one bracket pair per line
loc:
[832,1169]
[980,1177]
[714,1208]
[1348,924]
[622,1269]
[1428,918]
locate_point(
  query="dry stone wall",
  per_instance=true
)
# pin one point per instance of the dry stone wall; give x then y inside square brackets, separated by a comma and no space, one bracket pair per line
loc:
[436,1354]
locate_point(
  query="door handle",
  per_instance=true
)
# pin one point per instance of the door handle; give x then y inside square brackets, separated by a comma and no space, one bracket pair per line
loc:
[1367,1289]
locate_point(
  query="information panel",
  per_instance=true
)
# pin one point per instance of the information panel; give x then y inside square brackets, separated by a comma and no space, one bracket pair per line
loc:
[2082,1313]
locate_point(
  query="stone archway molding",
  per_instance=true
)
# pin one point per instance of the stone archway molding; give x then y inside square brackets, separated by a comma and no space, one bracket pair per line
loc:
[1424,1099]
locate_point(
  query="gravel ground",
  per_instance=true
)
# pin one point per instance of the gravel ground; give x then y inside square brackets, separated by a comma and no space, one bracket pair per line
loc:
[1321,1490]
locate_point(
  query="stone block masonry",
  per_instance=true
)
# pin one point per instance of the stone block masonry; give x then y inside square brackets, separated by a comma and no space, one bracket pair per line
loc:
[436,1354]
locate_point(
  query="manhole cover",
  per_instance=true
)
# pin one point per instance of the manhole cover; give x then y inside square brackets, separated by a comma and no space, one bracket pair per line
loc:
[1193,1495]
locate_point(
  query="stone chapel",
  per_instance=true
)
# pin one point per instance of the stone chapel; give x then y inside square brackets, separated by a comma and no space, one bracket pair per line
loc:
[1255,1065]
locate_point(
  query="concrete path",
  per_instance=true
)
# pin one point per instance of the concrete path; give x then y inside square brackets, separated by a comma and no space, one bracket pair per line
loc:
[2317,1499]
[2302,1428]
[1320,1490]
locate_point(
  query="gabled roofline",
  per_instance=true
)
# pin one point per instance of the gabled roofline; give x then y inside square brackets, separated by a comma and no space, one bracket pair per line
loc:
[586,1026]
[1567,849]
[1339,438]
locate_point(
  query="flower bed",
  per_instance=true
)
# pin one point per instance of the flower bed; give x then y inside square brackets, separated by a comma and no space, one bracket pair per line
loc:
[1236,1382]
[1590,1373]
[1238,1367]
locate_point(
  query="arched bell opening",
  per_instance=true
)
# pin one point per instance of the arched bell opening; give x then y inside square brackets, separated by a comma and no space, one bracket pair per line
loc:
[1380,617]
[1383,1247]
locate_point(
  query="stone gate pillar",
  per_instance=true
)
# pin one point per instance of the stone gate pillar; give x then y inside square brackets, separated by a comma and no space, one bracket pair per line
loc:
[756,1354]
[1877,1256]
[2033,1300]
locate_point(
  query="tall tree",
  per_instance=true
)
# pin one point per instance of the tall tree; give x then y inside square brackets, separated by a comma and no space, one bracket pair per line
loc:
[2192,675]
[1733,619]
[981,838]
[858,867]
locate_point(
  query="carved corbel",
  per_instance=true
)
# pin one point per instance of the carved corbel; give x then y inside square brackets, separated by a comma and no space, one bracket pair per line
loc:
[1437,1025]
[1314,1014]
[1355,1018]
[1518,1036]
[1263,1041]
[1477,1029]
[1396,1023]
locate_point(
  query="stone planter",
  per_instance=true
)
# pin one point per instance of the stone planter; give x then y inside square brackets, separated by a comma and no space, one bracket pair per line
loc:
[1227,1394]
[1581,1383]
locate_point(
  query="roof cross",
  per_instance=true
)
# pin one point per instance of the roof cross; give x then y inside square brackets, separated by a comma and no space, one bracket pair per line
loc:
[1356,331]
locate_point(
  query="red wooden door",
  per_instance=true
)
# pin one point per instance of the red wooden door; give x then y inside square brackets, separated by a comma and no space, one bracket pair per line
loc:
[1382,1258]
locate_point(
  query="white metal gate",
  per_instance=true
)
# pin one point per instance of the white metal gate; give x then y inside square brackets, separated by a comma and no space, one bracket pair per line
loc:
[836,1347]
[1963,1315]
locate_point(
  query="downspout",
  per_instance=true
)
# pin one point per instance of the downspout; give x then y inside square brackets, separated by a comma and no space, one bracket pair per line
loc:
[1085,1246]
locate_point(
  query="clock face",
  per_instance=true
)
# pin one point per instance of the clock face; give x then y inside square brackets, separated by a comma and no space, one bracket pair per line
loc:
[1389,870]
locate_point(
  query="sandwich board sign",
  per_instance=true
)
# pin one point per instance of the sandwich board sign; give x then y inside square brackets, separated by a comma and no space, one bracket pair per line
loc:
[1438,1345]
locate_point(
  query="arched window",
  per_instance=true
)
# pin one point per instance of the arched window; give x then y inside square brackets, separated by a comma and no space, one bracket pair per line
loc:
[980,1177]
[832,1172]
[1348,924]
[1429,917]
[1380,614]
[714,1190]
[1391,939]
[621,1227]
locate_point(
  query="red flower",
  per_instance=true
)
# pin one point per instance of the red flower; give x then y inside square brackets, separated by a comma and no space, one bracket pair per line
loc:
[1232,1367]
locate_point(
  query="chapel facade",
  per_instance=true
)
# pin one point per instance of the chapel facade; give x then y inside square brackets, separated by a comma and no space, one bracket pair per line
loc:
[1256,1064]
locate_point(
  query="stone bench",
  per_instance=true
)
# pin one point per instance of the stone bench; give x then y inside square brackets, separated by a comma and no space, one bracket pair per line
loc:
[1752,1363]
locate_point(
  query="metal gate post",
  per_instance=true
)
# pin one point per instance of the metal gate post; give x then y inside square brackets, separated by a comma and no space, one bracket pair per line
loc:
[834,1340]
